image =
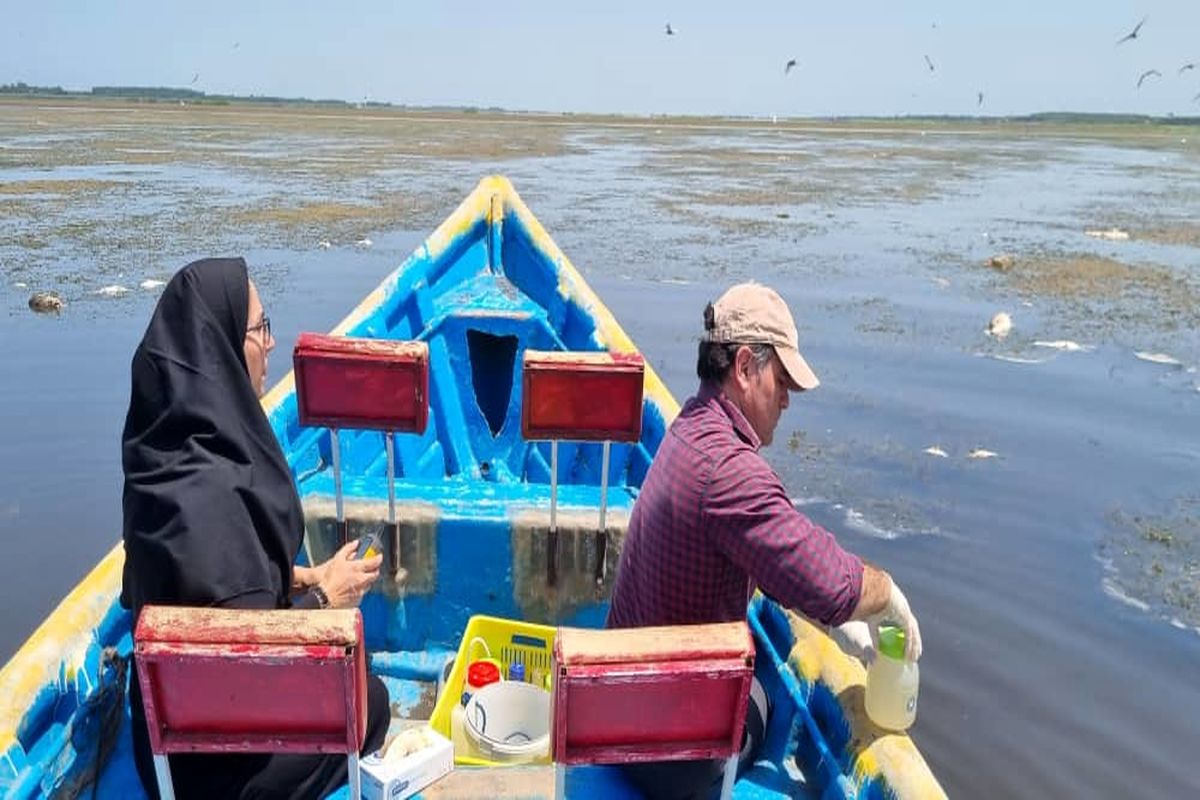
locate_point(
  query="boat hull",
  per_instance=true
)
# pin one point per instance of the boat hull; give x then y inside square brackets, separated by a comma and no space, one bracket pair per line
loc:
[472,503]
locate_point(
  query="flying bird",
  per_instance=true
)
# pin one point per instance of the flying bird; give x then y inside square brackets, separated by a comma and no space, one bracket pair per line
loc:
[669,31]
[1133,34]
[1150,73]
[1186,67]
[979,102]
[788,67]
[195,77]
[929,63]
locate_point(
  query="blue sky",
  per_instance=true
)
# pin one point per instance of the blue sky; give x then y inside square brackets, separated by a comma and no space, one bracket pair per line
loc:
[726,58]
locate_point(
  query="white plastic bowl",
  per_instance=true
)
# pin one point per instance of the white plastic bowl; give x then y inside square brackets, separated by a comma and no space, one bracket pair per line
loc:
[510,721]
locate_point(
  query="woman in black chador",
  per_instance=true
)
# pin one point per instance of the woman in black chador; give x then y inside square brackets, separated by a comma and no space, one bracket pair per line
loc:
[212,517]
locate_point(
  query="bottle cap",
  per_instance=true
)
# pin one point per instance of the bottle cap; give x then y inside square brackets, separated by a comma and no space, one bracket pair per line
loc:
[516,671]
[481,673]
[891,641]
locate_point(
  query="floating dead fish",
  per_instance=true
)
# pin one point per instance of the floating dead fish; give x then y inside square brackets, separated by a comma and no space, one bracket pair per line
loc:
[1003,262]
[1159,358]
[1000,325]
[1111,234]
[1065,345]
[934,450]
[115,290]
[980,452]
[942,282]
[46,303]
[152,283]
[1015,359]
[21,285]
[324,244]
[363,242]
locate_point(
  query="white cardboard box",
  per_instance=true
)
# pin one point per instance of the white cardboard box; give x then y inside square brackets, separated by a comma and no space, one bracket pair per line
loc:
[397,780]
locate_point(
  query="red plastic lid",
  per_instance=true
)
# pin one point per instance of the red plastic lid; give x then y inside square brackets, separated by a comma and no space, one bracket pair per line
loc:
[481,673]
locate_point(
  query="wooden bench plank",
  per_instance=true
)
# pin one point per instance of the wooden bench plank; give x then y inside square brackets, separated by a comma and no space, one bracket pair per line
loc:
[669,643]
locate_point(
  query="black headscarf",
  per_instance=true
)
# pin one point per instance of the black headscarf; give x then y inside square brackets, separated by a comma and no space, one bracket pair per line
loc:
[211,514]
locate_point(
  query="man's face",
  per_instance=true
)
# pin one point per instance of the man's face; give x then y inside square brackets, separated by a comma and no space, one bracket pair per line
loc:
[765,393]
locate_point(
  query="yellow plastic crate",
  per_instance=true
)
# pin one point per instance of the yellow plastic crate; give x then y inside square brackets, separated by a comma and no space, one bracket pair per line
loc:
[508,640]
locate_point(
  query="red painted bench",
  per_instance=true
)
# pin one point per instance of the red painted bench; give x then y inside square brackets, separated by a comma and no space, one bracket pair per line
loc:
[363,384]
[238,681]
[651,694]
[582,397]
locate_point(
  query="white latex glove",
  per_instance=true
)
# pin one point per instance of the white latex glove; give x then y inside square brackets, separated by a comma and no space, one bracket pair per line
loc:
[897,612]
[854,638]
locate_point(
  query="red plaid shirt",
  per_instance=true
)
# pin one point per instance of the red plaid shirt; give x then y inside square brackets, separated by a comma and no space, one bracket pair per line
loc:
[712,521]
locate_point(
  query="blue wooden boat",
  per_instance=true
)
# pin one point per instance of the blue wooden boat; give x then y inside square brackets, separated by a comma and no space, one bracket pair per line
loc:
[472,498]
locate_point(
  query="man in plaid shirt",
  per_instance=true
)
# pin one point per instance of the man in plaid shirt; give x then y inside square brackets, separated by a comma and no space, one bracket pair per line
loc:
[713,522]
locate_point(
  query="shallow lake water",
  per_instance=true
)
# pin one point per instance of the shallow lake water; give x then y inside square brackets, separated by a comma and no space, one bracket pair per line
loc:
[1057,583]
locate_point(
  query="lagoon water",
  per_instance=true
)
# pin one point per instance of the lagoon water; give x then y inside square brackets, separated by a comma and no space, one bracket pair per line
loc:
[1057,584]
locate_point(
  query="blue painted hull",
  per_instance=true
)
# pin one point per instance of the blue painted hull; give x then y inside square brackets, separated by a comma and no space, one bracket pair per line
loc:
[472,503]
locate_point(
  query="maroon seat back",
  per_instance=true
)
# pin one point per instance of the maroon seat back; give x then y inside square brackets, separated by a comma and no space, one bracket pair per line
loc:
[651,694]
[348,382]
[224,681]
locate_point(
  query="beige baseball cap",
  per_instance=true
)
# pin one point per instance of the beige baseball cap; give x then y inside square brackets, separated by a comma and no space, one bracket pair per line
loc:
[751,313]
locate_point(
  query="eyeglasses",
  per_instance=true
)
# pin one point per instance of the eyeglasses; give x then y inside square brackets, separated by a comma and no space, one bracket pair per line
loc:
[264,326]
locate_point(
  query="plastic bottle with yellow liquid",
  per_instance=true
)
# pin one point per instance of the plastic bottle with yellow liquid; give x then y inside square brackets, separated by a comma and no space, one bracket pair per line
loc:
[892,683]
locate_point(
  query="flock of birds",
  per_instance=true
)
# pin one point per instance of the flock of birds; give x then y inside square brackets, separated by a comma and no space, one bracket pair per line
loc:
[1152,73]
[1133,34]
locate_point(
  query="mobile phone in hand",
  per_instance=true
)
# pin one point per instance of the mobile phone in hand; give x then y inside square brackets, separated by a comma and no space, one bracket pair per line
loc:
[370,545]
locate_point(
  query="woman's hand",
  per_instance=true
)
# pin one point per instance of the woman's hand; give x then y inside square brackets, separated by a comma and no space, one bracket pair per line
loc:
[304,578]
[345,579]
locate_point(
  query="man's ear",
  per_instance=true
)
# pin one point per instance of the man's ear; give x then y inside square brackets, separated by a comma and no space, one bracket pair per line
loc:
[743,366]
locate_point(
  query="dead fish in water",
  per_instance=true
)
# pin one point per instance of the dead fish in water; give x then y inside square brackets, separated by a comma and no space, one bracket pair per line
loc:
[152,283]
[1066,345]
[1016,359]
[324,244]
[1153,358]
[979,452]
[934,450]
[1111,234]
[1000,325]
[46,303]
[116,290]
[363,242]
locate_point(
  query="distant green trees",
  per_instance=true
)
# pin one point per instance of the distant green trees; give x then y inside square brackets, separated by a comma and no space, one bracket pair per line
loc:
[154,94]
[147,92]
[23,88]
